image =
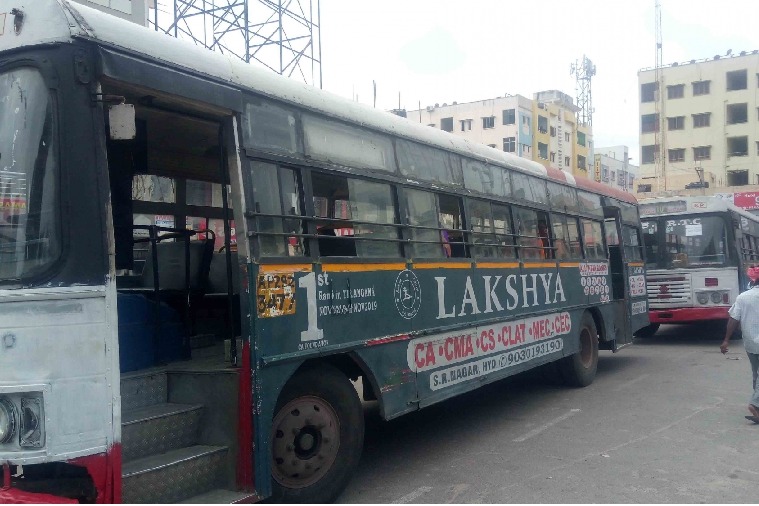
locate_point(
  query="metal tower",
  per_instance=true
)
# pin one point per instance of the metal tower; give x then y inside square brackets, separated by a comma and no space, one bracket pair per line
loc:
[282,35]
[584,72]
[660,166]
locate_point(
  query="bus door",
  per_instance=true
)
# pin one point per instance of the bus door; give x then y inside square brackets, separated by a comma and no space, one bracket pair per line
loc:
[619,275]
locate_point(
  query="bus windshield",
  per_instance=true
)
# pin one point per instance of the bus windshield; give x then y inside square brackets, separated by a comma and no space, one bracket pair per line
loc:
[685,242]
[29,236]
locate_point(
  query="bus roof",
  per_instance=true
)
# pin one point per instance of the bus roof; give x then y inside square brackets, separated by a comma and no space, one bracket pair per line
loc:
[57,21]
[665,206]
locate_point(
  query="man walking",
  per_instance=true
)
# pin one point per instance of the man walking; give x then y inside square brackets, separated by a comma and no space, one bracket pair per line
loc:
[745,311]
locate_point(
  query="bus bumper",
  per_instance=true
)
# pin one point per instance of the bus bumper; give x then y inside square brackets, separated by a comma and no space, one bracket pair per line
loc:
[688,314]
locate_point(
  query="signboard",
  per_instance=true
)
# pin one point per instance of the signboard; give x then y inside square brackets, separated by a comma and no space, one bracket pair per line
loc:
[746,200]
[677,206]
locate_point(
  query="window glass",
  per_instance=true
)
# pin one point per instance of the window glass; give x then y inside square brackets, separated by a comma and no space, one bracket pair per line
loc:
[427,239]
[275,192]
[373,202]
[539,191]
[150,188]
[481,225]
[610,229]
[521,186]
[269,127]
[562,197]
[566,239]
[429,164]
[30,236]
[202,193]
[590,203]
[531,240]
[629,212]
[592,238]
[503,232]
[485,178]
[631,243]
[335,142]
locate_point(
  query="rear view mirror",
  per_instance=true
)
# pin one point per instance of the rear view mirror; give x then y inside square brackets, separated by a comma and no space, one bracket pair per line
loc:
[121,122]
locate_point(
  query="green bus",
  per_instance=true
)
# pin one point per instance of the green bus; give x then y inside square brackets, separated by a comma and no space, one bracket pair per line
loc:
[205,266]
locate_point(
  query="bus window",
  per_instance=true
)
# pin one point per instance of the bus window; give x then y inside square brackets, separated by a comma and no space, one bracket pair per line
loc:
[532,230]
[452,224]
[503,233]
[484,178]
[562,198]
[610,229]
[429,164]
[269,127]
[150,188]
[481,224]
[590,203]
[276,194]
[566,239]
[650,242]
[349,203]
[521,186]
[631,243]
[593,239]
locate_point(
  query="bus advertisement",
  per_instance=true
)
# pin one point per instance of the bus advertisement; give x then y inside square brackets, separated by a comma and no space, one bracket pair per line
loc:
[215,265]
[697,252]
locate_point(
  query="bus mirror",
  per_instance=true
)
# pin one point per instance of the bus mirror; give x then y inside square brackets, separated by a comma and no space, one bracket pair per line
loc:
[121,122]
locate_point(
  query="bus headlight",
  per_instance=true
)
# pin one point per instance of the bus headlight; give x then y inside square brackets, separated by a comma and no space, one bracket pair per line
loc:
[716,297]
[702,298]
[7,420]
[31,433]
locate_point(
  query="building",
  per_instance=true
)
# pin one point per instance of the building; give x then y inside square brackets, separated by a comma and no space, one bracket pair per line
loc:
[700,122]
[543,129]
[611,166]
[135,11]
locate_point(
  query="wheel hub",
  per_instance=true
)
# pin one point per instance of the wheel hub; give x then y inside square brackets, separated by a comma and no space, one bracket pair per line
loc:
[305,442]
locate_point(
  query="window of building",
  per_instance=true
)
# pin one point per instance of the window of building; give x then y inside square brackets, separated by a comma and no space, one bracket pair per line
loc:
[543,150]
[736,113]
[581,162]
[446,124]
[604,172]
[509,116]
[542,124]
[702,153]
[737,177]
[649,123]
[581,138]
[648,153]
[676,123]
[676,155]
[466,124]
[567,161]
[702,120]
[510,144]
[644,188]
[648,92]
[553,156]
[488,122]
[737,146]
[757,148]
[553,131]
[737,80]
[567,136]
[676,91]
[701,88]
[612,175]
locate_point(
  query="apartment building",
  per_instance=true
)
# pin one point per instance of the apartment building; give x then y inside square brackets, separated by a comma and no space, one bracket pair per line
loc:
[706,121]
[543,129]
[612,167]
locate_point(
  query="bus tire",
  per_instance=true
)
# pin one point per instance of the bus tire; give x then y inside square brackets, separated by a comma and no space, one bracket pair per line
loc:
[648,331]
[317,437]
[579,370]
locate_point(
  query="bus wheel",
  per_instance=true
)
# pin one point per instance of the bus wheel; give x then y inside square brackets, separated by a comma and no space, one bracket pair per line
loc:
[579,370]
[317,437]
[648,331]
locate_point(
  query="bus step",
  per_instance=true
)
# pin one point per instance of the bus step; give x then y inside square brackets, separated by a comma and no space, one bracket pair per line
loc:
[173,476]
[159,428]
[220,496]
[143,388]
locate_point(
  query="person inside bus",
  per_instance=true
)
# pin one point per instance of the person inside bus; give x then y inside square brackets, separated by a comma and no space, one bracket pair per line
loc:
[543,241]
[445,236]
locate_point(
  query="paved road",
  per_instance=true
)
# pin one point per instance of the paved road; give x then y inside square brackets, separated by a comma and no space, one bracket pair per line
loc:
[662,423]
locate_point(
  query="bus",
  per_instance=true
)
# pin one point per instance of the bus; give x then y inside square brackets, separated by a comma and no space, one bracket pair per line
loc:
[205,268]
[697,252]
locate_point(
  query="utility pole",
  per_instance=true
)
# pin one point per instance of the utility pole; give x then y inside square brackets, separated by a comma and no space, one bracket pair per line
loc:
[660,148]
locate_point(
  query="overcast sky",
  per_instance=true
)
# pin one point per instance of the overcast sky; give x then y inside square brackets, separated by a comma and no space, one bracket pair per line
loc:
[440,51]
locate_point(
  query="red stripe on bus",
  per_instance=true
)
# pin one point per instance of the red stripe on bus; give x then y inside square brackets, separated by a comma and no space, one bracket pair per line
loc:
[388,339]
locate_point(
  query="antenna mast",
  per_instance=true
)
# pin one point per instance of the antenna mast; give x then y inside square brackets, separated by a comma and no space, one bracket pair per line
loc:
[660,167]
[282,35]
[584,72]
